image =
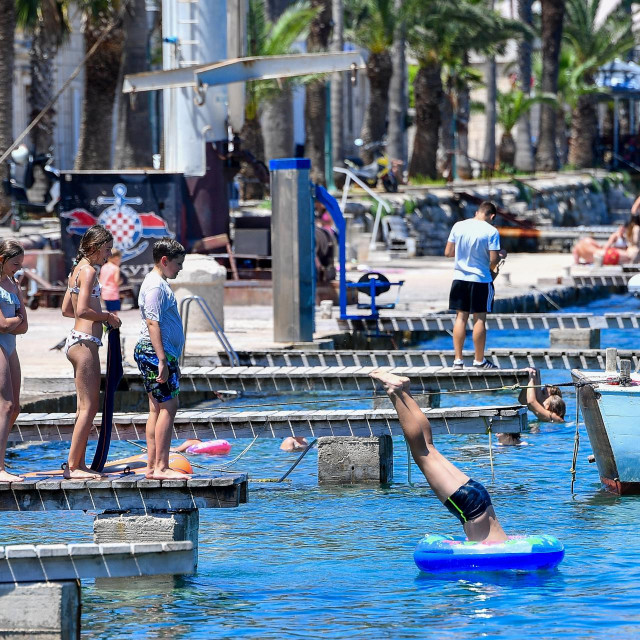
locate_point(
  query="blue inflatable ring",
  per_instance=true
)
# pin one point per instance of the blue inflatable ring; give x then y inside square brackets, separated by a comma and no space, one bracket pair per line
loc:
[456,553]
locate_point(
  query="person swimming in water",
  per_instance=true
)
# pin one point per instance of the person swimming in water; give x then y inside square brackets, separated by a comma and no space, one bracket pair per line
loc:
[545,402]
[465,498]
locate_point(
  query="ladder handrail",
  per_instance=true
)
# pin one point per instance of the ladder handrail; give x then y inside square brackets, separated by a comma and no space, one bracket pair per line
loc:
[185,303]
[381,203]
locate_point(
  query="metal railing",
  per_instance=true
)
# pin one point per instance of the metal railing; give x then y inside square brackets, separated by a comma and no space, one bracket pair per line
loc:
[215,325]
[381,203]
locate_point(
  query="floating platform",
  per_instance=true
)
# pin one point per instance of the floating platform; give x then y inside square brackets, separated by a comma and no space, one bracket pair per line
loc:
[503,358]
[495,322]
[216,423]
[47,562]
[126,493]
[319,378]
[611,415]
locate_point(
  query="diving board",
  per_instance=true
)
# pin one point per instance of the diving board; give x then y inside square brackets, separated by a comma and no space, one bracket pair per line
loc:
[503,358]
[216,423]
[495,322]
[127,493]
[23,563]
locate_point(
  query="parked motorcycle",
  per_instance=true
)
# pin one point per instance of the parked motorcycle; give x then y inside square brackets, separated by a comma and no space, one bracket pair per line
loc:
[20,178]
[378,170]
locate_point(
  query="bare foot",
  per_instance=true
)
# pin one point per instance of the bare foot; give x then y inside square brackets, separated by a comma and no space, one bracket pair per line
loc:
[392,383]
[148,473]
[82,474]
[5,476]
[170,474]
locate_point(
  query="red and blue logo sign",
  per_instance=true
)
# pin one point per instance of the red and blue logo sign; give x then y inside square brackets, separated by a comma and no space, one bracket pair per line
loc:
[128,227]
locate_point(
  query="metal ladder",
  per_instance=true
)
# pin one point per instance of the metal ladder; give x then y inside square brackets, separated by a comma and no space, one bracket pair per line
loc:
[215,325]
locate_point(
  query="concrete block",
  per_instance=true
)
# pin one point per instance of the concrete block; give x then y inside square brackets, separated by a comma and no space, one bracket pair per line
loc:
[352,460]
[156,527]
[40,611]
[571,338]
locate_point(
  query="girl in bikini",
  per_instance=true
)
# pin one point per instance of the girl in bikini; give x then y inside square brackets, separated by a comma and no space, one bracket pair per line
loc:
[82,302]
[13,321]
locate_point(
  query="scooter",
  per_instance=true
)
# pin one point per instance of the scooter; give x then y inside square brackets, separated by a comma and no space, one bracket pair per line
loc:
[20,178]
[379,169]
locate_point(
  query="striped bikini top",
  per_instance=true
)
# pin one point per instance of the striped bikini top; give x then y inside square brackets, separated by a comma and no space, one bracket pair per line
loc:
[95,292]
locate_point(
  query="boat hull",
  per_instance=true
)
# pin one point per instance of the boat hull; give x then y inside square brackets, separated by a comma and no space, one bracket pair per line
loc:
[612,418]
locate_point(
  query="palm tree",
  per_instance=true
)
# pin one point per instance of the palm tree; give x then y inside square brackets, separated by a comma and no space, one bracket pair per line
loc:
[102,20]
[7,31]
[552,19]
[133,126]
[372,26]
[315,104]
[512,106]
[397,91]
[47,24]
[265,38]
[524,160]
[490,108]
[444,31]
[337,87]
[594,44]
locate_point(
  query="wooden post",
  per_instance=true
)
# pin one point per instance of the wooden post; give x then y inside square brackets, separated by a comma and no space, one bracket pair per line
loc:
[611,365]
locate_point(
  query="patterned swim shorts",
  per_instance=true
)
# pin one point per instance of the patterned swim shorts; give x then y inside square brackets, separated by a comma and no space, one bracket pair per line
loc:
[147,362]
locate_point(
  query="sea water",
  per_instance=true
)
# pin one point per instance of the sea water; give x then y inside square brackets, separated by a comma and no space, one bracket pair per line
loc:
[303,561]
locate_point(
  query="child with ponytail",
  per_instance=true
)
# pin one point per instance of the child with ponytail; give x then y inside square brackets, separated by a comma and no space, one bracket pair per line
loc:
[82,302]
[13,321]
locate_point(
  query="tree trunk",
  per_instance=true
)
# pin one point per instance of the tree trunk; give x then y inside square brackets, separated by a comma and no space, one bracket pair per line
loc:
[584,130]
[133,137]
[397,93]
[490,115]
[524,160]
[507,151]
[463,164]
[277,125]
[252,140]
[552,17]
[446,137]
[337,88]
[7,29]
[562,140]
[375,118]
[315,106]
[101,82]
[427,89]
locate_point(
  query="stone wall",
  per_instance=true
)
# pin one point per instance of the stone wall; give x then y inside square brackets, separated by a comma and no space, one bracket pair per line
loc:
[558,200]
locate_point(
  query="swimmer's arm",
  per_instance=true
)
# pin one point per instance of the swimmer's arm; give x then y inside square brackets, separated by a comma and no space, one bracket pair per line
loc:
[155,334]
[450,250]
[23,327]
[67,305]
[8,325]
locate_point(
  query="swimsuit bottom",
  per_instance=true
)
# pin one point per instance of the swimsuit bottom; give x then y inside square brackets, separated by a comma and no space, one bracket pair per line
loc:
[75,337]
[8,342]
[147,361]
[469,501]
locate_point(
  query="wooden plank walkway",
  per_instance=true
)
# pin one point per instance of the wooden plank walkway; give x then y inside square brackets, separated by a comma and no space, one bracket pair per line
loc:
[123,493]
[216,423]
[318,378]
[496,322]
[503,358]
[46,562]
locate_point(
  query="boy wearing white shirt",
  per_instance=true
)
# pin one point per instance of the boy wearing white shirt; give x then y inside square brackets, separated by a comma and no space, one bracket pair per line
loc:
[475,244]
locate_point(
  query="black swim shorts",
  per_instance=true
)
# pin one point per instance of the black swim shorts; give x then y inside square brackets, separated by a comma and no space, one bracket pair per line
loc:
[469,501]
[472,297]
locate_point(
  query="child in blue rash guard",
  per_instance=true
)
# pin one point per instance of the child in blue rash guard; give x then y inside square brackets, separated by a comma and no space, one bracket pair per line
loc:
[157,353]
[466,499]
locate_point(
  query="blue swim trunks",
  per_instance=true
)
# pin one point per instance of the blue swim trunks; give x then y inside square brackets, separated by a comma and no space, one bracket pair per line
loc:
[147,362]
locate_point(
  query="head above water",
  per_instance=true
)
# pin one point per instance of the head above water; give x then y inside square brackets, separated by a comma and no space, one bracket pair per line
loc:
[486,211]
[556,405]
[95,246]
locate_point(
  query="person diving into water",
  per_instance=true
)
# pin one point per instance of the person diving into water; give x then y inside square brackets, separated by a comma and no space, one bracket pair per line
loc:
[465,498]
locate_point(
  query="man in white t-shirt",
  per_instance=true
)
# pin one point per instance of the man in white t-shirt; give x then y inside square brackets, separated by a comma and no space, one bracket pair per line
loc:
[475,244]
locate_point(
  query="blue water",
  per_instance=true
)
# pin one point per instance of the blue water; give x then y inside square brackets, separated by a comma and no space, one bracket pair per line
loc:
[302,561]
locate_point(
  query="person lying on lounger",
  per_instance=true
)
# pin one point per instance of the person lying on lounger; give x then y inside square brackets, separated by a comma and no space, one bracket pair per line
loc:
[466,499]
